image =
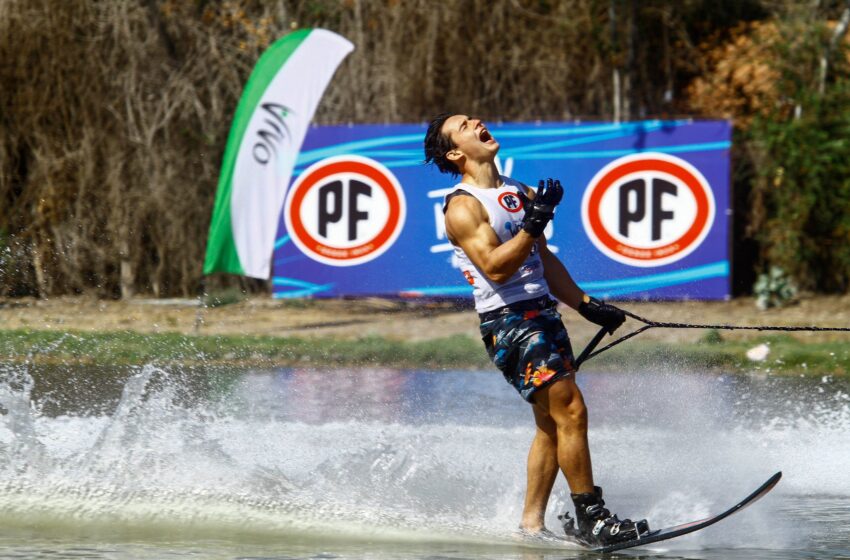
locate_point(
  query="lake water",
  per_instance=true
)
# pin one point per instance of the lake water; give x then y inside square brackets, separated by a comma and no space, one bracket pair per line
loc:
[212,463]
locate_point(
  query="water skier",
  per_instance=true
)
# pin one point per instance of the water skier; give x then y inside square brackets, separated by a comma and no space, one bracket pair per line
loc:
[496,227]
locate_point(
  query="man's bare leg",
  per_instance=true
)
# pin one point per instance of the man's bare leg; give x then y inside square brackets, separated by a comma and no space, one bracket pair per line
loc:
[563,402]
[542,471]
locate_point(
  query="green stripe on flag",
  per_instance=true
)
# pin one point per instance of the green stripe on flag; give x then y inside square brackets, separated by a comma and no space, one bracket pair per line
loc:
[221,248]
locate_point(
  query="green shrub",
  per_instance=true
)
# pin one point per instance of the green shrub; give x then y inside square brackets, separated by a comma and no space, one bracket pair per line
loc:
[800,199]
[774,289]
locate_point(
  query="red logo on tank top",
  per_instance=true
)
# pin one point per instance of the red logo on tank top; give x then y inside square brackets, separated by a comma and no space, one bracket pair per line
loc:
[510,202]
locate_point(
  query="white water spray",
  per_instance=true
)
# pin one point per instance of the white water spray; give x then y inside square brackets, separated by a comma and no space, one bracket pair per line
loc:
[410,456]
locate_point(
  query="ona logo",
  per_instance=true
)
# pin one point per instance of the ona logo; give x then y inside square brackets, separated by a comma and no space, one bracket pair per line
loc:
[276,132]
[647,209]
[345,210]
[510,202]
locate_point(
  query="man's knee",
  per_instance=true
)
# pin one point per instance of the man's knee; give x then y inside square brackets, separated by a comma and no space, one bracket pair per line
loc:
[566,406]
[577,414]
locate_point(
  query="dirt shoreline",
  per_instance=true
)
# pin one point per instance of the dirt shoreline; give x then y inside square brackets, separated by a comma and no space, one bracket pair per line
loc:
[393,320]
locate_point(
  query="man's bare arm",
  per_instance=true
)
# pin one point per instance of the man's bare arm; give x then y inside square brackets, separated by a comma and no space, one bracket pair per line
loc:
[561,284]
[467,226]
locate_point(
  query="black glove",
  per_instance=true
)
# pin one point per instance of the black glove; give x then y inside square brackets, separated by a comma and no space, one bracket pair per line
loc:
[539,211]
[601,313]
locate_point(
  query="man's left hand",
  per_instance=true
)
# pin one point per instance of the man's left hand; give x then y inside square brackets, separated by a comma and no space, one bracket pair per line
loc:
[541,210]
[601,313]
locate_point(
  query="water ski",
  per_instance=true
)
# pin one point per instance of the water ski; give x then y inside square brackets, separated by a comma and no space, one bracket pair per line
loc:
[684,528]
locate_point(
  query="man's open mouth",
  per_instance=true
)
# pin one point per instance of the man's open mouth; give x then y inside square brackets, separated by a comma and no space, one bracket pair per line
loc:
[485,135]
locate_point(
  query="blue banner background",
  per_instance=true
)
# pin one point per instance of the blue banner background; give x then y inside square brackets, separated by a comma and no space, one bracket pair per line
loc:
[419,262]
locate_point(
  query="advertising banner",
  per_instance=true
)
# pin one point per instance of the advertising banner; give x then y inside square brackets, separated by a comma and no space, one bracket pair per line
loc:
[645,214]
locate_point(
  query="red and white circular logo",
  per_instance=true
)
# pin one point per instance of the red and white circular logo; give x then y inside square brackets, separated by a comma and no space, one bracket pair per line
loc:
[647,209]
[345,210]
[510,202]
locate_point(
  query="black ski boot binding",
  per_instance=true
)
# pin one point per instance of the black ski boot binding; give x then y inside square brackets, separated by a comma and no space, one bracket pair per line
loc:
[596,525]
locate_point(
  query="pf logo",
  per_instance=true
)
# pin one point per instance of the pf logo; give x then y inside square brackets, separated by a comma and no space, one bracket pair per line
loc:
[510,202]
[345,210]
[647,209]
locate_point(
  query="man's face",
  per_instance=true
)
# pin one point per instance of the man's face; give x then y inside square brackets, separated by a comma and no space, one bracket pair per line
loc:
[472,139]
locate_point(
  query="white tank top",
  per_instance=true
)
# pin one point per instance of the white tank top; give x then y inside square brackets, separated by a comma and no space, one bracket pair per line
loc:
[506,212]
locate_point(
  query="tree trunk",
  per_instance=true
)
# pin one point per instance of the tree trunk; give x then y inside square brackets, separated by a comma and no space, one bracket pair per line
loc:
[840,30]
[617,101]
[127,273]
[38,267]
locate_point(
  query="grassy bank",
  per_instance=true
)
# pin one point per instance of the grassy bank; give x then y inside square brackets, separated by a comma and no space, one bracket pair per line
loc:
[131,348]
[787,355]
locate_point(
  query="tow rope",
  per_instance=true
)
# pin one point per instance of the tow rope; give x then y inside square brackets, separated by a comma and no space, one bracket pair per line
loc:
[590,350]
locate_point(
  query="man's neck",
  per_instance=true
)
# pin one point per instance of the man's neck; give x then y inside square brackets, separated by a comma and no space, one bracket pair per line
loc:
[483,175]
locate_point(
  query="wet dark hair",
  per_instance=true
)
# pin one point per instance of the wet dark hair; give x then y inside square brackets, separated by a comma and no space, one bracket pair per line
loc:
[437,145]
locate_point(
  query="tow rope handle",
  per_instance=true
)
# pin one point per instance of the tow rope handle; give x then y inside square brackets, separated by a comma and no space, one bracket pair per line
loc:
[591,346]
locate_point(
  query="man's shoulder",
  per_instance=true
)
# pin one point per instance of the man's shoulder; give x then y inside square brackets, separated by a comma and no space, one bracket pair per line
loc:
[464,210]
[458,191]
[461,199]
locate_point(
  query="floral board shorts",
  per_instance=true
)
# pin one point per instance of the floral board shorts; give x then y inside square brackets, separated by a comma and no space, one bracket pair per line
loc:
[531,348]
